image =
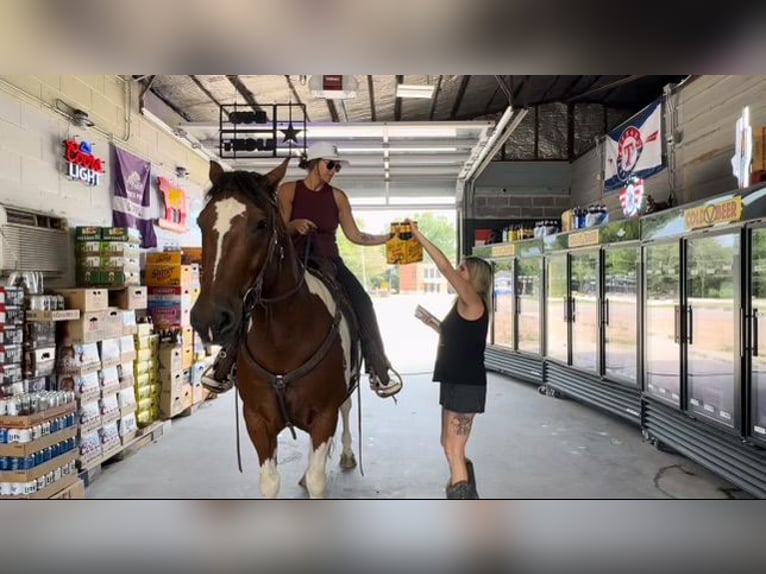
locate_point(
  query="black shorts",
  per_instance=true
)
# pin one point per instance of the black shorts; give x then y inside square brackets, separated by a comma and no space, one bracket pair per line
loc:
[465,399]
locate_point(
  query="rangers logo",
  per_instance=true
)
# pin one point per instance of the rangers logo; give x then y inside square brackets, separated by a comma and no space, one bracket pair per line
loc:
[629,149]
[632,197]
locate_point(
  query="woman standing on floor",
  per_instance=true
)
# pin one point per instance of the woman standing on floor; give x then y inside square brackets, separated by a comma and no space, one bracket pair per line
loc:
[459,364]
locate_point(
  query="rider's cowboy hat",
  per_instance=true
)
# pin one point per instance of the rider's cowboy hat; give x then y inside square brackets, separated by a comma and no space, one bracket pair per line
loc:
[326,151]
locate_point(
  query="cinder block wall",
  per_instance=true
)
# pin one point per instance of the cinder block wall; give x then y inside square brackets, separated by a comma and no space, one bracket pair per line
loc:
[32,167]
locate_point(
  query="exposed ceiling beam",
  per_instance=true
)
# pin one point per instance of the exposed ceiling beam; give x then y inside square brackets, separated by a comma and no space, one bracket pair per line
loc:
[333,111]
[243,90]
[459,97]
[515,96]
[436,95]
[294,92]
[587,91]
[568,90]
[398,101]
[550,87]
[503,86]
[371,89]
[171,105]
[609,86]
[207,92]
[492,99]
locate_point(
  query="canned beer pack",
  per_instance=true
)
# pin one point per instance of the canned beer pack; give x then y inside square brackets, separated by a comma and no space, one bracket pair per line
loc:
[403,248]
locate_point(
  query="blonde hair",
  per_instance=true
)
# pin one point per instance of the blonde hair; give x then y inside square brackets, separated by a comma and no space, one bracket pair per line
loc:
[480,272]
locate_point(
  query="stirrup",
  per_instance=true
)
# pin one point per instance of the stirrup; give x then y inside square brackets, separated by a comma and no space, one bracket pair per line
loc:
[389,390]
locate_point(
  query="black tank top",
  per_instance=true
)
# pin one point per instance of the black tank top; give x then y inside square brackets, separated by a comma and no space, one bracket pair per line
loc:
[460,357]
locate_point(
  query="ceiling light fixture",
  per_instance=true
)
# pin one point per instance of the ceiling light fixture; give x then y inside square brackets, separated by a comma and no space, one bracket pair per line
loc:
[415,91]
[333,87]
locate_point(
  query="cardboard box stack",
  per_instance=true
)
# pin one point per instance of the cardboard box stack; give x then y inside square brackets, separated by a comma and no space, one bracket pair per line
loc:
[174,285]
[11,341]
[88,358]
[129,301]
[146,374]
[107,256]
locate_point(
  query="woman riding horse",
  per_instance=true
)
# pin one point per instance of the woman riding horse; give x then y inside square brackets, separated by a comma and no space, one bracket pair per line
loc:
[314,207]
[294,346]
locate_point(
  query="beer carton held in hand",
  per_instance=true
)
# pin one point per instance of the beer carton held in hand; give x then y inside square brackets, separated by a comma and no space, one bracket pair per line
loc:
[403,248]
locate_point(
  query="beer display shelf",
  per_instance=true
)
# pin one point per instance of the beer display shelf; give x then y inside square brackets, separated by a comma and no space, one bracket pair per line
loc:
[25,421]
[27,448]
[52,316]
[39,470]
[53,490]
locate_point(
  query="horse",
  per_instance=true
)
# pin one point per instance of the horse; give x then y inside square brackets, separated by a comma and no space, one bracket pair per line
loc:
[296,364]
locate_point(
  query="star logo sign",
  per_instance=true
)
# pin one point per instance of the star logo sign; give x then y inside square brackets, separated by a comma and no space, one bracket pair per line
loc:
[291,134]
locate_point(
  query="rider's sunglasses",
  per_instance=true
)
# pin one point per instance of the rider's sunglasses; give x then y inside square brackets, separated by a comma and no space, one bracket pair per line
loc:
[333,165]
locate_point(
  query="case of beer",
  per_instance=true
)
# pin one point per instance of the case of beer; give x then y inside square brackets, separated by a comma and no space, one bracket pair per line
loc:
[403,248]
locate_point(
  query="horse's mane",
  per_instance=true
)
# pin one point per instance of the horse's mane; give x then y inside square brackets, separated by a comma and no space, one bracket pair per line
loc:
[251,184]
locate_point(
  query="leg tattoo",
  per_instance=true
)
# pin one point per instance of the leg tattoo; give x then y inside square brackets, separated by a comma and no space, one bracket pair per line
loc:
[463,424]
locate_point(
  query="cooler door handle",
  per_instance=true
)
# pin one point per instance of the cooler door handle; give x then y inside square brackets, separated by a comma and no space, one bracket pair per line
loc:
[518,304]
[755,332]
[606,311]
[676,313]
[566,310]
[690,326]
[574,309]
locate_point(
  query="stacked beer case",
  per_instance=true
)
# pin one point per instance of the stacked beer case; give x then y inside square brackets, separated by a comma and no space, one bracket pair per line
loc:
[11,340]
[107,257]
[88,356]
[173,282]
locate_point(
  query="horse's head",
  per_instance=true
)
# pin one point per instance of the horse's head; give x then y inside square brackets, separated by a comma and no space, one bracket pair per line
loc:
[241,232]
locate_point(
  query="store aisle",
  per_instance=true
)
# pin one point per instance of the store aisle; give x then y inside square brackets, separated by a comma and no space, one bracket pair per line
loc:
[526,446]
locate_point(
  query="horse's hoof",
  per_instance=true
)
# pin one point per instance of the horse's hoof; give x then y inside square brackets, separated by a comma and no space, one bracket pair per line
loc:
[302,481]
[347,462]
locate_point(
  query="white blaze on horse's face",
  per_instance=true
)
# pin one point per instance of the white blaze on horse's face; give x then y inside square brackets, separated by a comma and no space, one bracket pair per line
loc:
[226,210]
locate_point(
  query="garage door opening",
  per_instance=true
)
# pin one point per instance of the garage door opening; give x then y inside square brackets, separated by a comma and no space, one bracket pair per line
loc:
[396,290]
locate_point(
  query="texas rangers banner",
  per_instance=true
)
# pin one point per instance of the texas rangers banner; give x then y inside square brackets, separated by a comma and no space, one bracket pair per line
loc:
[131,201]
[635,149]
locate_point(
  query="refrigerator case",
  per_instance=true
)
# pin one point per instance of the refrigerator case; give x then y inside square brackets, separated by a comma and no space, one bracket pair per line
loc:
[757,334]
[529,283]
[557,308]
[584,309]
[619,313]
[662,322]
[503,324]
[711,317]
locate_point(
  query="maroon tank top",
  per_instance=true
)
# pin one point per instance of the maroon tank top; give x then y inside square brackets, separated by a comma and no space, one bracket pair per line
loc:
[320,207]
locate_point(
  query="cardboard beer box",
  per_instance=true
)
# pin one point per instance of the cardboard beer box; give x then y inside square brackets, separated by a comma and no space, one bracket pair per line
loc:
[122,234]
[169,275]
[130,298]
[83,233]
[164,258]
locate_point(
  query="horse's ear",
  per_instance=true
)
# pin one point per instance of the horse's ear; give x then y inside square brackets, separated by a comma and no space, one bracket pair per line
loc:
[277,174]
[216,172]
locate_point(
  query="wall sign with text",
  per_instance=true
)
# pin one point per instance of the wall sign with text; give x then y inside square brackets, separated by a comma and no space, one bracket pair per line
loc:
[82,165]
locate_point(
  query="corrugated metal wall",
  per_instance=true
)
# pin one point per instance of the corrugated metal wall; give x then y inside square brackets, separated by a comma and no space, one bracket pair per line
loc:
[706,111]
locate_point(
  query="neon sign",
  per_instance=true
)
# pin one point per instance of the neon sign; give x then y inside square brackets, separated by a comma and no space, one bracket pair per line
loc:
[632,197]
[81,163]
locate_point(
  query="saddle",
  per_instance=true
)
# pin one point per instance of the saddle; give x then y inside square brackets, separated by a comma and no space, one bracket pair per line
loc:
[221,375]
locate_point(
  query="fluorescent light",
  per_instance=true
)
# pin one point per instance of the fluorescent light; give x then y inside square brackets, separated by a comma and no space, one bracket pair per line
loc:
[414,91]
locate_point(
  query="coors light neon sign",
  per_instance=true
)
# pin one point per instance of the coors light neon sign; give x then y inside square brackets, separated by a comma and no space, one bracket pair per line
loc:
[81,163]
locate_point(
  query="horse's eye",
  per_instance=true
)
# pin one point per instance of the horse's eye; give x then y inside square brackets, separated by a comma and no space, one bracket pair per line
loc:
[260,226]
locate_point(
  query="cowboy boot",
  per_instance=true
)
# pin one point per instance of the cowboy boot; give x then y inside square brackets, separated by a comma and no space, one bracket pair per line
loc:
[471,476]
[462,490]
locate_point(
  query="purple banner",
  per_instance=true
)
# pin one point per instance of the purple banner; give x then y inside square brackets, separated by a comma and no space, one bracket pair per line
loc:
[131,201]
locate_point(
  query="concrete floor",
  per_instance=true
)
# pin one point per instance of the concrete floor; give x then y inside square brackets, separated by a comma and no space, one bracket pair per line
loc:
[525,446]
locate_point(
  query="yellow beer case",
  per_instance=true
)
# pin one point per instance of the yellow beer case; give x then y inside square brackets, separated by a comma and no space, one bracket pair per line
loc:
[403,248]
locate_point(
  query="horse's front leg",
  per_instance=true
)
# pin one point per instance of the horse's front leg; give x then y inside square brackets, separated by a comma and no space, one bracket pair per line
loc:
[347,459]
[264,439]
[321,432]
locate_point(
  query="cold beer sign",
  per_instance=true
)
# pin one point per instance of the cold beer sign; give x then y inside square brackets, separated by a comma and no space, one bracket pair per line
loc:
[81,164]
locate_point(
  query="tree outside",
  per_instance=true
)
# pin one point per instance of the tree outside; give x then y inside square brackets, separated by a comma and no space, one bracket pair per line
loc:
[369,263]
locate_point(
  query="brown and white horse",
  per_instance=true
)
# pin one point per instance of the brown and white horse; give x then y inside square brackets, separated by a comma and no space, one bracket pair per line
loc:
[294,346]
